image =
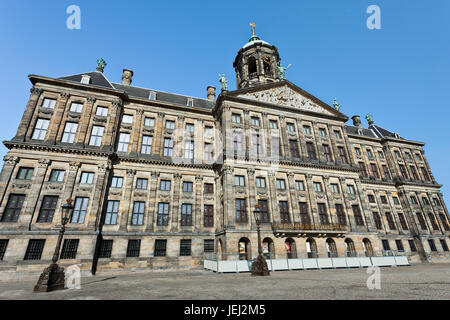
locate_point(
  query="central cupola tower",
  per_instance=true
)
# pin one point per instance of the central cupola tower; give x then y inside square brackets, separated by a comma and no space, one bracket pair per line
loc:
[256,63]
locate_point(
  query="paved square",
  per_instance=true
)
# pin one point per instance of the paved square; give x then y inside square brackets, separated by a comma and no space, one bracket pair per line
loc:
[430,281]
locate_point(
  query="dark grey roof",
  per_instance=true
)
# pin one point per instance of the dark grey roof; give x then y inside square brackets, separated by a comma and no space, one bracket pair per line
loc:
[383,133]
[97,79]
[360,131]
[165,96]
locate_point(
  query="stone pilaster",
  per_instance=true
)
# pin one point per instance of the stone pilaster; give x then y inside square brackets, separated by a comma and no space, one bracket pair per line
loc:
[152,202]
[99,195]
[176,208]
[197,211]
[312,199]
[125,205]
[9,164]
[159,135]
[57,123]
[135,137]
[346,203]
[109,139]
[252,194]
[273,197]
[25,123]
[294,199]
[85,119]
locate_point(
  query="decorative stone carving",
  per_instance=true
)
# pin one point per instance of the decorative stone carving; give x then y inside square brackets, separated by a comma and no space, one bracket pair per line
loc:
[103,167]
[287,97]
[10,160]
[35,91]
[91,99]
[198,178]
[181,118]
[177,176]
[131,172]
[74,165]
[140,112]
[116,104]
[64,95]
[21,185]
[160,114]
[100,119]
[43,163]
[251,171]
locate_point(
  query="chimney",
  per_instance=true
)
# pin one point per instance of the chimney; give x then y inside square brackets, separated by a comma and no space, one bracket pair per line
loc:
[211,93]
[127,77]
[357,121]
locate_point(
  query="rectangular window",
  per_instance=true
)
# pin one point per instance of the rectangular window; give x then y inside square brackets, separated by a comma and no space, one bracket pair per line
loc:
[284,212]
[189,149]
[369,154]
[147,142]
[208,188]
[3,246]
[190,127]
[273,124]
[127,118]
[387,175]
[402,219]
[281,184]
[69,249]
[137,218]
[307,130]
[76,107]
[168,147]
[102,111]
[358,152]
[334,188]
[340,214]
[408,156]
[236,118]
[255,121]
[403,171]
[381,155]
[276,147]
[105,248]
[124,141]
[414,173]
[390,221]
[149,122]
[311,151]
[260,182]
[373,168]
[323,216]
[163,214]
[208,216]
[358,216]
[304,216]
[337,134]
[386,246]
[112,210]
[117,182]
[152,95]
[25,173]
[399,245]
[70,130]
[443,245]
[322,132]
[185,247]
[165,185]
[351,189]
[160,248]
[290,127]
[48,208]
[133,248]
[241,210]
[433,222]
[293,145]
[371,198]
[96,136]
[342,155]
[13,208]
[239,181]
[377,220]
[186,214]
[327,153]
[425,174]
[209,131]
[170,125]
[362,167]
[57,175]
[87,177]
[425,201]
[209,152]
[300,185]
[80,210]
[412,245]
[432,245]
[257,144]
[395,199]
[49,103]
[317,187]
[413,200]
[187,186]
[208,245]
[444,222]
[40,129]
[237,142]
[398,156]
[264,209]
[422,223]
[34,249]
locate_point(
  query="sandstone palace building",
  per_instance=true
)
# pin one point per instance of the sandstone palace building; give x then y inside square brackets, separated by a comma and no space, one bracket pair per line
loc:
[162,180]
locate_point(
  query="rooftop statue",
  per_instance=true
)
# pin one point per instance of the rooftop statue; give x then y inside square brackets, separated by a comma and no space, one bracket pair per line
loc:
[282,70]
[369,119]
[223,82]
[101,62]
[336,104]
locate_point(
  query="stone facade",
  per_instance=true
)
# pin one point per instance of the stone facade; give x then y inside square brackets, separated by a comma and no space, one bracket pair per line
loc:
[148,165]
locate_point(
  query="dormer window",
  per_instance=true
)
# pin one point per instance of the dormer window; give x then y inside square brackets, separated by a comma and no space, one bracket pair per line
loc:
[152,95]
[85,79]
[190,102]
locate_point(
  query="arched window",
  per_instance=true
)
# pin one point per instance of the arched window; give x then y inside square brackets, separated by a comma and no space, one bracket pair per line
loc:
[368,249]
[252,71]
[311,248]
[268,248]
[267,69]
[244,249]
[351,251]
[291,248]
[331,248]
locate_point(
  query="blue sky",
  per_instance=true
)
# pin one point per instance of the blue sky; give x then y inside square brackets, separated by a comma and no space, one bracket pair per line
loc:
[400,74]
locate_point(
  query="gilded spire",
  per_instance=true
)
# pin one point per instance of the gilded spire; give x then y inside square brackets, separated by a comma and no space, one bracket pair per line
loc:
[253,25]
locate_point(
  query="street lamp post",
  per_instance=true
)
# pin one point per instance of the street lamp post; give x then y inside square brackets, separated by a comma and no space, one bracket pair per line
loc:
[259,266]
[52,278]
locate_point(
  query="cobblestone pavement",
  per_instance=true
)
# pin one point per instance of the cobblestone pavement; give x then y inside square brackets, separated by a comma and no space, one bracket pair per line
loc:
[430,281]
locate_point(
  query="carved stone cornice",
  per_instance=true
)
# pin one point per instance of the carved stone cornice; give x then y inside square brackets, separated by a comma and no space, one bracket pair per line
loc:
[91,99]
[140,112]
[36,91]
[74,165]
[44,163]
[64,95]
[161,114]
[103,167]
[181,117]
[131,172]
[10,160]
[154,174]
[308,177]
[177,176]
[198,178]
[116,104]
[250,171]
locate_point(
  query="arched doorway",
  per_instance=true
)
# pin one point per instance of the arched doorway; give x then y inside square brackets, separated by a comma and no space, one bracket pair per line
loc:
[268,248]
[291,248]
[331,248]
[244,249]
[311,248]
[368,249]
[351,251]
